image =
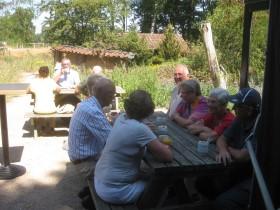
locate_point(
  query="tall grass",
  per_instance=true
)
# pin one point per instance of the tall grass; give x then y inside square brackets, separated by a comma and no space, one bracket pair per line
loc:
[12,67]
[145,78]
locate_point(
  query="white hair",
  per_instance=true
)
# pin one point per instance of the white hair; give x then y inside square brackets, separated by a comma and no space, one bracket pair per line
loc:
[221,94]
[97,70]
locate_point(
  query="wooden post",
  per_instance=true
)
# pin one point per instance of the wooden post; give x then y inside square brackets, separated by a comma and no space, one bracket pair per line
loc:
[217,75]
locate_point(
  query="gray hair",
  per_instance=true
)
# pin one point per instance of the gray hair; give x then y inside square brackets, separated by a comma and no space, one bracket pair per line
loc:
[191,85]
[221,94]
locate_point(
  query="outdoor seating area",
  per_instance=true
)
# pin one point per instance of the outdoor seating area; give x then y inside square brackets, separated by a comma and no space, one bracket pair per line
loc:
[127,114]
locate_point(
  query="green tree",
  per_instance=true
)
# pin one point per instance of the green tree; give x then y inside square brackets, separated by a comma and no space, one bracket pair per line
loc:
[184,15]
[17,27]
[77,22]
[131,42]
[227,27]
[170,48]
[74,22]
[118,12]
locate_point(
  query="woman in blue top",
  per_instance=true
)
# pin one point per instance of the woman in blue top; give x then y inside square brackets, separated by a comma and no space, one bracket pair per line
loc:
[117,174]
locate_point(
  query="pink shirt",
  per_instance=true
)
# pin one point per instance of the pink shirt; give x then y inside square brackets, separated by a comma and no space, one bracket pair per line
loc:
[195,111]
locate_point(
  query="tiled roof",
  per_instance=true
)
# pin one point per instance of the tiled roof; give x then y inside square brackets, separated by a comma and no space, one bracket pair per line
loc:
[93,52]
[154,40]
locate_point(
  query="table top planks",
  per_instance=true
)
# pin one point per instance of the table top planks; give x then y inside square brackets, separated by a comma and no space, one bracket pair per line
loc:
[186,158]
[13,88]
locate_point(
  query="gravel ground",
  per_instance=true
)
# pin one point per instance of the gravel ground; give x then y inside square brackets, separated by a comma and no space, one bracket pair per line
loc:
[50,181]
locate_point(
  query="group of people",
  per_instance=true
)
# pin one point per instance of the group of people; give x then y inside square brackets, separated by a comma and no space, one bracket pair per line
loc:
[211,120]
[111,154]
[45,91]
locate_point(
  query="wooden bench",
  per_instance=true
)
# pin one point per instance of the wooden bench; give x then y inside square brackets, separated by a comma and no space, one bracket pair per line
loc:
[33,116]
[102,205]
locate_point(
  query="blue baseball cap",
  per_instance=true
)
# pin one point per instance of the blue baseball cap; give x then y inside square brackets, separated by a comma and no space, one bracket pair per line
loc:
[247,96]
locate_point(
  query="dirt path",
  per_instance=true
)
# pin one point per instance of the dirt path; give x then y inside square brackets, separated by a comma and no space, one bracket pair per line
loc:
[50,182]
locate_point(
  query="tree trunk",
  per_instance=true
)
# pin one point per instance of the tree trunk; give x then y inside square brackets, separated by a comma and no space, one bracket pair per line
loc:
[217,75]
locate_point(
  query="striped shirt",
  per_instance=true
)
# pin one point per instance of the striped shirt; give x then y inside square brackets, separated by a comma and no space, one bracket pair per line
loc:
[88,131]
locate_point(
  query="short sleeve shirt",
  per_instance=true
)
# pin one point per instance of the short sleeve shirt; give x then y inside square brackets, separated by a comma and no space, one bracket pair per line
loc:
[44,88]
[120,161]
[69,79]
[218,124]
[194,112]
[237,133]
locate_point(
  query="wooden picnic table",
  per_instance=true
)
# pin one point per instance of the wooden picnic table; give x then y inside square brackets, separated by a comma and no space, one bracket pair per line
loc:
[187,161]
[9,171]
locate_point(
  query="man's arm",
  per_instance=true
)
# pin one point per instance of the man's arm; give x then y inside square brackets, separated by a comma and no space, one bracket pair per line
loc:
[223,155]
[57,75]
[239,154]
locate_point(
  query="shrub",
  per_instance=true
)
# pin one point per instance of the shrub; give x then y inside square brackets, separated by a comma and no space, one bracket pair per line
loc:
[170,48]
[131,42]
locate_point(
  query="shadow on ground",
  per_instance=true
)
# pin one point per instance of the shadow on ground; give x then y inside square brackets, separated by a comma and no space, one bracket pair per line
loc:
[55,192]
[61,129]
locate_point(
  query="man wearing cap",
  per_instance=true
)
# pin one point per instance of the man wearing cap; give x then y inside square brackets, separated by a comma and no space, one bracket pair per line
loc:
[181,73]
[232,146]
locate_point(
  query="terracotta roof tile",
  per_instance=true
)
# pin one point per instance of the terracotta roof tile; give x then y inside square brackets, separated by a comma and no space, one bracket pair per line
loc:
[154,40]
[92,51]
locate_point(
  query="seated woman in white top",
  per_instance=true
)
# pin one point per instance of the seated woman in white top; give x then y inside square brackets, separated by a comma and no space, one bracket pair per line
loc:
[117,174]
[44,89]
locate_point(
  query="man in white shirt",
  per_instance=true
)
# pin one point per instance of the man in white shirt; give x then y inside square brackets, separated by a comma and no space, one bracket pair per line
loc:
[66,77]
[181,73]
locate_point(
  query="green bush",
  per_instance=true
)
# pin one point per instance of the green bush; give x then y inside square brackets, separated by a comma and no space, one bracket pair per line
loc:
[170,48]
[145,78]
[131,42]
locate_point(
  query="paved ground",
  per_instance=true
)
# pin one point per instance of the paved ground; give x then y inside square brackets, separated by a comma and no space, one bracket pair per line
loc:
[50,182]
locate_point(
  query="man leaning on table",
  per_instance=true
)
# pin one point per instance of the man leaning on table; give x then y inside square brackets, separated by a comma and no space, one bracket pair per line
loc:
[181,73]
[66,77]
[89,128]
[234,192]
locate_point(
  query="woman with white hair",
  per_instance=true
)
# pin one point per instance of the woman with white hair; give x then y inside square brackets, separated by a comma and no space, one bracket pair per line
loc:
[217,119]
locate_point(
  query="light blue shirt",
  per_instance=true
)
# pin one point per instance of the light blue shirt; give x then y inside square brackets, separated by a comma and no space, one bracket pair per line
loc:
[88,131]
[69,79]
[117,170]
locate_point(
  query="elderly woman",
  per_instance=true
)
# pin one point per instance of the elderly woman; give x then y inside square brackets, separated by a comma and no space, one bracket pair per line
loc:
[218,118]
[117,174]
[193,106]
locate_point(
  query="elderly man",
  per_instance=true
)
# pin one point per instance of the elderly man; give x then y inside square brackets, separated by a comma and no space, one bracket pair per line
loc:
[97,70]
[89,127]
[181,73]
[231,191]
[232,146]
[66,77]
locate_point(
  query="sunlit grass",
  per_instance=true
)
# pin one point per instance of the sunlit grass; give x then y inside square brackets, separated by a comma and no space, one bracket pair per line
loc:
[12,67]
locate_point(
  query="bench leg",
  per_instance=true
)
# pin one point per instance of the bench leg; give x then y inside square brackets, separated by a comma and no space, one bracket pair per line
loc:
[34,124]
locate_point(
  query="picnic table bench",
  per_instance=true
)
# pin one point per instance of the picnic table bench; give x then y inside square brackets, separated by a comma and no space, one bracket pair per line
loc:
[102,205]
[33,116]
